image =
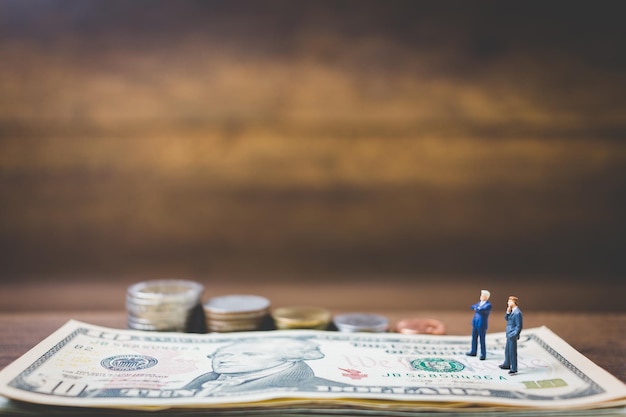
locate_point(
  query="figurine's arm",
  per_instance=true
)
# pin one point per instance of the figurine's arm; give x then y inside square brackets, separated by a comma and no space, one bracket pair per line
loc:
[516,324]
[485,308]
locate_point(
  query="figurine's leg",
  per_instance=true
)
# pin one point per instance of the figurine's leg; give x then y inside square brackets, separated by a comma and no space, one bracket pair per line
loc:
[474,348]
[507,361]
[483,345]
[513,355]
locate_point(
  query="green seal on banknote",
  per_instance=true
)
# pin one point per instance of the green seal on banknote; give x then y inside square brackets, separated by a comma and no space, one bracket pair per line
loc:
[437,365]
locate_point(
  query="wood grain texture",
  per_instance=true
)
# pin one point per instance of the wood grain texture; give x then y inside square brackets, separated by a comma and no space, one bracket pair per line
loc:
[385,137]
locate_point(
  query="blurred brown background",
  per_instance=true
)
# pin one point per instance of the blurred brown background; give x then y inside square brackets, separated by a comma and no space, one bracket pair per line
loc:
[416,145]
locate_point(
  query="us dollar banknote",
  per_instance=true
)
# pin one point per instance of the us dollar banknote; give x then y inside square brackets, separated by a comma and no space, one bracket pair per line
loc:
[83,365]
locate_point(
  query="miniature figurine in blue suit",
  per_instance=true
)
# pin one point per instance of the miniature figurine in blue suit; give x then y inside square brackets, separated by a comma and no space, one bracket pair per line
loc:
[514,324]
[480,324]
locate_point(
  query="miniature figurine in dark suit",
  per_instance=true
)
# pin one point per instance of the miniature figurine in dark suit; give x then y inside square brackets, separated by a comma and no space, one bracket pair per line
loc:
[480,324]
[514,324]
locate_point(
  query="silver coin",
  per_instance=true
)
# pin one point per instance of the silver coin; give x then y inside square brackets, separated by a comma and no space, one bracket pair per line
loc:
[162,305]
[236,312]
[234,304]
[361,322]
[159,323]
[166,290]
[253,315]
[156,305]
[160,327]
[160,308]
[178,315]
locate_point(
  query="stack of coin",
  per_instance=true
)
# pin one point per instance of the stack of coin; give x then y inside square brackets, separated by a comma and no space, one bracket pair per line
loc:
[361,322]
[162,305]
[301,318]
[420,326]
[235,313]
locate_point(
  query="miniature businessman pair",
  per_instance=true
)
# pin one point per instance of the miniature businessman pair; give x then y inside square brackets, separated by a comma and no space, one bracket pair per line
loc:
[514,324]
[480,324]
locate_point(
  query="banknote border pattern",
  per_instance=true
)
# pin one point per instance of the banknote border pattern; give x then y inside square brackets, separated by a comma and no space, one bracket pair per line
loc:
[19,381]
[592,389]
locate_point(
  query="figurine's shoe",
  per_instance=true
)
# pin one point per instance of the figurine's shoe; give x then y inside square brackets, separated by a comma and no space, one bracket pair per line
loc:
[504,367]
[482,358]
[470,354]
[512,372]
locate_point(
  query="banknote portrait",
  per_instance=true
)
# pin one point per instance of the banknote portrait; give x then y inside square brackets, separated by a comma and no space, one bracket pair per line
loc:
[260,364]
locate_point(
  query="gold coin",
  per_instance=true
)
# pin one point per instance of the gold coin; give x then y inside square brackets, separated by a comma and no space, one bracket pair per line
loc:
[301,318]
[420,326]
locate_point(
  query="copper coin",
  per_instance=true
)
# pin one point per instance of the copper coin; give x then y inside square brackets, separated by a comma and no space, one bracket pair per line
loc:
[420,326]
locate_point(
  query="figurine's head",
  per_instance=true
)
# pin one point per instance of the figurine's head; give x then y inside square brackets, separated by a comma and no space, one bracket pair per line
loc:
[513,301]
[484,295]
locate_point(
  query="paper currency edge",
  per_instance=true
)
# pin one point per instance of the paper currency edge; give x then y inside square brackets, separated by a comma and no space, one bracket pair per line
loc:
[614,396]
